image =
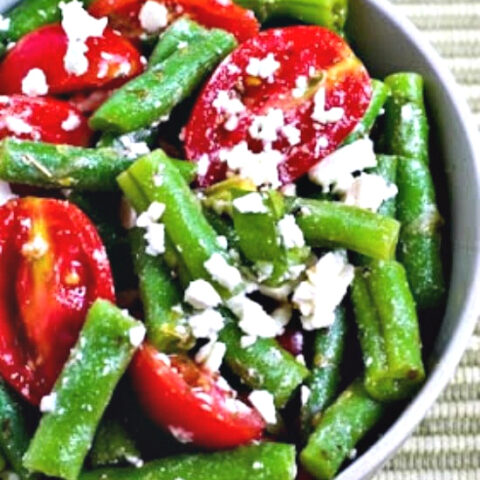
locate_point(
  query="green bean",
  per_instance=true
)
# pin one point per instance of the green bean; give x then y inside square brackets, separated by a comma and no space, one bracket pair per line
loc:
[60,166]
[113,445]
[155,178]
[341,427]
[14,433]
[324,380]
[159,293]
[163,86]
[327,13]
[380,93]
[266,461]
[406,123]
[420,238]
[333,224]
[106,344]
[388,331]
[263,365]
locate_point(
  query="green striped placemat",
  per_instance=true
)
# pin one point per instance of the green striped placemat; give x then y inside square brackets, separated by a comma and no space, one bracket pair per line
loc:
[446,446]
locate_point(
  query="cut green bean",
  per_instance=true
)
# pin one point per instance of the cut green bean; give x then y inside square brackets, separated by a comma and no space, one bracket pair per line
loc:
[81,394]
[113,445]
[420,238]
[406,123]
[324,380]
[327,13]
[387,169]
[341,427]
[163,86]
[60,166]
[336,225]
[155,178]
[14,434]
[388,331]
[263,365]
[266,461]
[380,93]
[166,328]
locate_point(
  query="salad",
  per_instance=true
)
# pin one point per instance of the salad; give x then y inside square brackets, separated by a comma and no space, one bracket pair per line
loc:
[221,238]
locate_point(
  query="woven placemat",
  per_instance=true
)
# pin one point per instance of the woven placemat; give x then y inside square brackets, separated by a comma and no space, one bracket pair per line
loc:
[446,446]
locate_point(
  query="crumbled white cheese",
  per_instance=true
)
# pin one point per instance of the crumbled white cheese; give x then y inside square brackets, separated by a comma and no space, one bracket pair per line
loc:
[155,232]
[261,168]
[292,134]
[136,335]
[137,462]
[201,294]
[17,125]
[36,248]
[320,113]
[266,127]
[254,321]
[250,203]
[247,340]
[222,272]
[211,355]
[206,324]
[79,25]
[290,233]
[264,68]
[280,294]
[282,314]
[180,434]
[153,214]
[369,191]
[289,190]
[153,16]
[222,242]
[131,148]
[6,193]
[4,23]
[337,168]
[203,165]
[34,83]
[231,107]
[72,122]
[48,403]
[305,393]
[319,295]
[301,86]
[264,403]
[257,465]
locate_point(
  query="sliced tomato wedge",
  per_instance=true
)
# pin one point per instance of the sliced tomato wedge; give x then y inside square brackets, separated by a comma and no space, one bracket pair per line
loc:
[43,118]
[124,15]
[187,401]
[53,267]
[306,75]
[112,60]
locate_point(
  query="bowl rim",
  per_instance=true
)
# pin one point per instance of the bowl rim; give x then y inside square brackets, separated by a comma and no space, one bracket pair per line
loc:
[382,450]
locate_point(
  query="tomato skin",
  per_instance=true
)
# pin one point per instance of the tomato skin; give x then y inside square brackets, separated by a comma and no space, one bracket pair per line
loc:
[300,50]
[185,399]
[292,340]
[45,116]
[112,60]
[123,15]
[53,267]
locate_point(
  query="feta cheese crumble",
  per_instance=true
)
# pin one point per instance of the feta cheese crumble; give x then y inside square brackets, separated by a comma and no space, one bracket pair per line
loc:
[211,355]
[263,68]
[79,26]
[155,232]
[369,191]
[153,16]
[268,127]
[290,233]
[320,113]
[206,324]
[17,125]
[305,393]
[319,295]
[222,272]
[263,402]
[34,83]
[336,169]
[200,294]
[71,122]
[250,203]
[136,335]
[48,403]
[301,86]
[4,23]
[231,107]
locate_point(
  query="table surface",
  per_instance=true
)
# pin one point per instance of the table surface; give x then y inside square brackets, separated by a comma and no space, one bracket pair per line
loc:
[446,446]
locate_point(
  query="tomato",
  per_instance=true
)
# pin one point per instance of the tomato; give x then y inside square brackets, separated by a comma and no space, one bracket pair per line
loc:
[53,267]
[123,15]
[289,70]
[88,102]
[112,59]
[187,400]
[292,340]
[42,118]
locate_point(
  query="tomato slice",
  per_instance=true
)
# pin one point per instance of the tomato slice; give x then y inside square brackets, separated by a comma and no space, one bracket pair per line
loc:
[123,15]
[112,60]
[186,400]
[53,267]
[288,71]
[42,118]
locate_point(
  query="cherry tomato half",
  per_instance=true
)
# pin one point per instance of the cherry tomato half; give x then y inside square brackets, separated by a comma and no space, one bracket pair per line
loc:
[281,72]
[43,118]
[53,267]
[186,400]
[112,59]
[124,15]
